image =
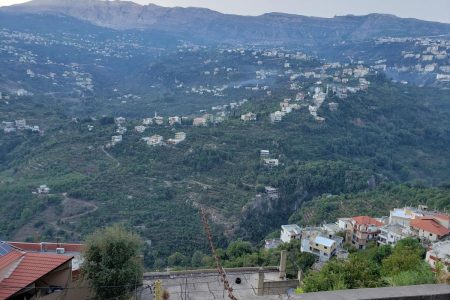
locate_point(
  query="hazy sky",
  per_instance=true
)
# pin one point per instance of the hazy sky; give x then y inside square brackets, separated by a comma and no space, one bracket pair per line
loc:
[435,10]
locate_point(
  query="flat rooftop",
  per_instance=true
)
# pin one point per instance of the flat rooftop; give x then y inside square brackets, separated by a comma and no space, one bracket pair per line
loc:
[207,286]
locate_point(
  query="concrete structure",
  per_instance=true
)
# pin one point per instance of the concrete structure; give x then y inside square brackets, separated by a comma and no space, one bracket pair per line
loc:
[391,234]
[322,247]
[290,232]
[439,251]
[403,216]
[155,140]
[199,122]
[206,284]
[174,120]
[271,162]
[271,192]
[116,139]
[413,292]
[43,189]
[264,153]
[364,229]
[181,136]
[140,128]
[248,117]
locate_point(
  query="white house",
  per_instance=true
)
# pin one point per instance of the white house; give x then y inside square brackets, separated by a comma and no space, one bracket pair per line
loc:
[290,232]
[271,162]
[140,128]
[43,189]
[174,120]
[439,252]
[199,122]
[181,136]
[264,153]
[248,117]
[155,140]
[116,139]
[392,233]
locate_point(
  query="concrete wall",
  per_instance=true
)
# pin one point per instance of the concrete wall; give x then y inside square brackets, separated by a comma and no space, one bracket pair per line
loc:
[278,287]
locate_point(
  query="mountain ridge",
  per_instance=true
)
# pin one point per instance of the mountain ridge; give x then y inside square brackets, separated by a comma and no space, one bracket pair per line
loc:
[214,27]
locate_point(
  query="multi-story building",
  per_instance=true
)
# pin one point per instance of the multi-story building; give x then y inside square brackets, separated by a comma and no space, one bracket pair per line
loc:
[392,233]
[364,229]
[323,247]
[439,252]
[290,232]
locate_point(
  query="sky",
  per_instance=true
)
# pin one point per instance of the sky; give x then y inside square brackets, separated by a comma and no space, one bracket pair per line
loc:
[433,10]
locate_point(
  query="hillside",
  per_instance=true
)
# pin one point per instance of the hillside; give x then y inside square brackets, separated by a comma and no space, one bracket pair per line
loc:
[389,133]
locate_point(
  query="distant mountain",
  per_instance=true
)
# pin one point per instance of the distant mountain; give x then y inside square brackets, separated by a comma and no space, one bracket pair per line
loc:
[214,27]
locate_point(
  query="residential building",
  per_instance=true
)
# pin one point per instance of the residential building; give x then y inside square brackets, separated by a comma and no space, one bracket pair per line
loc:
[43,189]
[155,140]
[181,136]
[264,153]
[21,124]
[147,121]
[392,233]
[290,232]
[429,229]
[277,116]
[199,122]
[323,247]
[158,120]
[271,162]
[271,192]
[116,139]
[403,216]
[174,120]
[120,120]
[364,229]
[439,252]
[25,275]
[248,117]
[140,128]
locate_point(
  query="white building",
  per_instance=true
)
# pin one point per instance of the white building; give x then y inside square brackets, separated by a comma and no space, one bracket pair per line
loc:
[155,140]
[116,139]
[43,189]
[199,122]
[403,216]
[21,124]
[181,136]
[140,128]
[277,116]
[391,234]
[248,117]
[158,120]
[290,232]
[147,121]
[174,120]
[271,162]
[264,153]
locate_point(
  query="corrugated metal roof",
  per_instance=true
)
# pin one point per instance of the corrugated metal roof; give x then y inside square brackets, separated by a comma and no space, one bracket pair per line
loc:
[31,267]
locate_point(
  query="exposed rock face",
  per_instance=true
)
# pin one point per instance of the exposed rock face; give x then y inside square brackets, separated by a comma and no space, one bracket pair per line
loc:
[208,25]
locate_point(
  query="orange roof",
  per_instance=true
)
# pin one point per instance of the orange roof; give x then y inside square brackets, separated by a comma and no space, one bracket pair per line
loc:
[366,220]
[430,225]
[9,258]
[30,267]
[38,247]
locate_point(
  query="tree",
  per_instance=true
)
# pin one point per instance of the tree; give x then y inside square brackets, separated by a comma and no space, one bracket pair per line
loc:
[112,263]
[177,260]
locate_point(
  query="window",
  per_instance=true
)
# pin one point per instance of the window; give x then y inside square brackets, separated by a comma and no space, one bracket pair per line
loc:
[325,247]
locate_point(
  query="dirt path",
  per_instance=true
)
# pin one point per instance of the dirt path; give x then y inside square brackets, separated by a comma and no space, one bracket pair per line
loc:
[110,156]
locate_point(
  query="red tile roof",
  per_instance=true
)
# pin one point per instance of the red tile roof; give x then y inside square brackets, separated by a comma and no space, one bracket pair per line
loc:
[37,247]
[430,225]
[9,258]
[366,220]
[30,267]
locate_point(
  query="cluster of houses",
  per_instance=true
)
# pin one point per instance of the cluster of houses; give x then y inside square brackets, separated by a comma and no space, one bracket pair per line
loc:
[327,241]
[18,125]
[158,140]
